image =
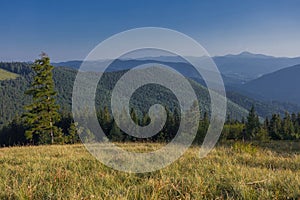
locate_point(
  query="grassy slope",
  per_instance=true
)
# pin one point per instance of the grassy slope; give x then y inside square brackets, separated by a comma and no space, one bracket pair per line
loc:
[69,172]
[5,75]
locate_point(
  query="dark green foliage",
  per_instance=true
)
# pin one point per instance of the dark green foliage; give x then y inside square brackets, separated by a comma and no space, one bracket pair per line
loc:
[287,128]
[13,133]
[42,114]
[12,91]
[233,131]
[72,136]
[275,127]
[105,120]
[115,133]
[252,124]
[202,129]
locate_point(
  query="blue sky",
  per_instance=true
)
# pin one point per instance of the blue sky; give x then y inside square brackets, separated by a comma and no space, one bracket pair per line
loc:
[69,30]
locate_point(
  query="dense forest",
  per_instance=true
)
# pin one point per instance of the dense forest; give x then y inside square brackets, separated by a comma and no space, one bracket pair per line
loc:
[240,125]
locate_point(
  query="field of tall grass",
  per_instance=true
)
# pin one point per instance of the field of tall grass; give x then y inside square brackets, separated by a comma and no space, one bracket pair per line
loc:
[230,171]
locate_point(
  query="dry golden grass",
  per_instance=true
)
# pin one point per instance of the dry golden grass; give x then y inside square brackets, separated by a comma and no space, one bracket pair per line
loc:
[4,75]
[233,171]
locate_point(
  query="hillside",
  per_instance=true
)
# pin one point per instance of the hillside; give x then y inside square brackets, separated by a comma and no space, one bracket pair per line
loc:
[147,95]
[6,75]
[13,98]
[12,91]
[282,85]
[263,107]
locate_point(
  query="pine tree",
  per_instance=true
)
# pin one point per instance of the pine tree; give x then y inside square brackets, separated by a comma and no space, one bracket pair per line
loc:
[42,113]
[73,137]
[296,125]
[115,133]
[106,120]
[205,121]
[135,119]
[275,127]
[134,116]
[252,125]
[228,119]
[202,128]
[262,135]
[146,119]
[169,130]
[287,128]
[243,120]
[267,123]
[294,118]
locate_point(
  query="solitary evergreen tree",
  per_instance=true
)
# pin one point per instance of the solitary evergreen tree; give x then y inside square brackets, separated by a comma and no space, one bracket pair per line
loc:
[42,113]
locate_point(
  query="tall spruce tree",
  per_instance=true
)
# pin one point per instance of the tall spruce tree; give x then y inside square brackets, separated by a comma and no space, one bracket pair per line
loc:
[42,113]
[252,124]
[275,127]
[287,127]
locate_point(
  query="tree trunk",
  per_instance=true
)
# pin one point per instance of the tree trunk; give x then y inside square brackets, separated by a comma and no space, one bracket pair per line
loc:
[51,133]
[52,138]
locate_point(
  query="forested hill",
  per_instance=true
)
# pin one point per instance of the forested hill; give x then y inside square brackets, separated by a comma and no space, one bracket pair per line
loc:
[12,90]
[282,85]
[13,98]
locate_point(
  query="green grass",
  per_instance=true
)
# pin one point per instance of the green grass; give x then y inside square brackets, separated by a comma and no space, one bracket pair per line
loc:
[232,171]
[4,75]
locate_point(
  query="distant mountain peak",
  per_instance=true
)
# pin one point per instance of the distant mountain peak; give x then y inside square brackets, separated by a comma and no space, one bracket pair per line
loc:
[247,54]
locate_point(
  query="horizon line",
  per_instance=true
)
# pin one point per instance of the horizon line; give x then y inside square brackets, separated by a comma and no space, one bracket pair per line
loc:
[222,55]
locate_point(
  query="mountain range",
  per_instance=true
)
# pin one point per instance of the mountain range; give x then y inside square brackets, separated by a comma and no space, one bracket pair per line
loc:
[256,76]
[240,68]
[250,79]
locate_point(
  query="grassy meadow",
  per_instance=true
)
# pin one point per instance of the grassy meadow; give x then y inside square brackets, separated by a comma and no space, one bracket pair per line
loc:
[230,171]
[4,75]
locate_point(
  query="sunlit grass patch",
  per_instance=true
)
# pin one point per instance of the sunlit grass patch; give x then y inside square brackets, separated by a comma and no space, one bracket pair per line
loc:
[4,75]
[70,172]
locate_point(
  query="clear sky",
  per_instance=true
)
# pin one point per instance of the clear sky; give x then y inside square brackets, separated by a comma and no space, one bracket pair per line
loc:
[69,30]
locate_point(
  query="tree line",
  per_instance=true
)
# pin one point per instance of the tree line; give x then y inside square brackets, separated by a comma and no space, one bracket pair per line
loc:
[67,132]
